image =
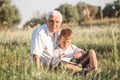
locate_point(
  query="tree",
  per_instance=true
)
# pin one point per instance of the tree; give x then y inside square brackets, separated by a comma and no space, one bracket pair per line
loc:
[35,21]
[108,10]
[69,13]
[99,14]
[86,10]
[112,9]
[9,13]
[81,11]
[93,10]
[117,8]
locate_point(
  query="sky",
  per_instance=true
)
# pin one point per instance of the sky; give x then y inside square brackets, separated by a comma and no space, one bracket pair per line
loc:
[28,8]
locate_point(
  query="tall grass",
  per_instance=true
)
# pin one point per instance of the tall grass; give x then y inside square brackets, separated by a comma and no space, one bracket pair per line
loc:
[14,54]
[115,51]
[18,35]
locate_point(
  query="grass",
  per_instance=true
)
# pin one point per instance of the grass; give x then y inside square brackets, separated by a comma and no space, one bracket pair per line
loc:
[14,54]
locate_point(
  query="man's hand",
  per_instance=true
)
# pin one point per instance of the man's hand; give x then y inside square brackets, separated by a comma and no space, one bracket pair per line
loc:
[36,61]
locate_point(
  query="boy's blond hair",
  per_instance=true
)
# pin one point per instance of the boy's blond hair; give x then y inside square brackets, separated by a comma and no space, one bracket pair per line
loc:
[66,33]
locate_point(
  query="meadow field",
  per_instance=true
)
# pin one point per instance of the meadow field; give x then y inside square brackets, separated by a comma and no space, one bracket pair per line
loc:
[105,40]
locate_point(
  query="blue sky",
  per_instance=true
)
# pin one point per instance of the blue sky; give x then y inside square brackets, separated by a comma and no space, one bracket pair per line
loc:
[28,8]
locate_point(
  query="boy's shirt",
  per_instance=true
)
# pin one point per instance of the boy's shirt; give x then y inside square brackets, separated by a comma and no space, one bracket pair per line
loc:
[69,52]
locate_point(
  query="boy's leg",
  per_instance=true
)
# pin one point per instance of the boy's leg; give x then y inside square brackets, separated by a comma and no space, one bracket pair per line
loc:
[73,67]
[89,59]
[93,59]
[84,61]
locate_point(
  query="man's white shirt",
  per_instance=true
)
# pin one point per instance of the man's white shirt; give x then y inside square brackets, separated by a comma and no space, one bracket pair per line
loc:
[43,44]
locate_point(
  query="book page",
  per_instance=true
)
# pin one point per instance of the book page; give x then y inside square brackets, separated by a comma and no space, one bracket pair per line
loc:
[68,60]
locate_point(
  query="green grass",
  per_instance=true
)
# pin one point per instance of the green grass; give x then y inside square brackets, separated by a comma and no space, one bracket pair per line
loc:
[14,54]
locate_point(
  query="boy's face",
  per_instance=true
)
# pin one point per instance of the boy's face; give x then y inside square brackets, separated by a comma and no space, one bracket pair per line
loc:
[64,42]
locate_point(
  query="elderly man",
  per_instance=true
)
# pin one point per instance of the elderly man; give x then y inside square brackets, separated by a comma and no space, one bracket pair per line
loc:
[44,39]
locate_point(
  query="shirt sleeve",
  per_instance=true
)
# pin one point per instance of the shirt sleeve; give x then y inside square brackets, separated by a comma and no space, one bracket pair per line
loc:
[76,49]
[36,46]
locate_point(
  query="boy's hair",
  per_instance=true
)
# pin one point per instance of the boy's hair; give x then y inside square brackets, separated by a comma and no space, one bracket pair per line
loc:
[66,33]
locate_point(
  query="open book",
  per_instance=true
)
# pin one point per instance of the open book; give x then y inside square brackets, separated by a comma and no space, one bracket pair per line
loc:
[67,60]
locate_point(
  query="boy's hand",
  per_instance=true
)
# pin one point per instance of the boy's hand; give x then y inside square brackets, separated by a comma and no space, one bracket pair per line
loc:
[78,55]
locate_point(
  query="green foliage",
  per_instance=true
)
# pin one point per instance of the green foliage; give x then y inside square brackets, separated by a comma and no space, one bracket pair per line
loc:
[9,14]
[76,13]
[112,9]
[35,22]
[93,10]
[81,6]
[116,56]
[69,13]
[108,10]
[14,55]
[117,8]
[15,66]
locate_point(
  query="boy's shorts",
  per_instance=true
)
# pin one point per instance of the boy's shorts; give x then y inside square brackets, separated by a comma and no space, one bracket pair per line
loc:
[84,61]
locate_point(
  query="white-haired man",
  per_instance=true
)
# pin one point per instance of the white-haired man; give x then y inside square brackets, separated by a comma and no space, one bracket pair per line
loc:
[44,39]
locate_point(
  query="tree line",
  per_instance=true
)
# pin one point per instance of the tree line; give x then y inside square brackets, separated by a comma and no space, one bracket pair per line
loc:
[81,12]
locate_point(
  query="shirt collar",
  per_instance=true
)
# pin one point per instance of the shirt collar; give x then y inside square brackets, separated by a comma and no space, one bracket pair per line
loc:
[46,29]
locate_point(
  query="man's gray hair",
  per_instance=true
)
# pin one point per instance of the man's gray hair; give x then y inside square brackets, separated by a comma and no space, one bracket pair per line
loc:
[52,13]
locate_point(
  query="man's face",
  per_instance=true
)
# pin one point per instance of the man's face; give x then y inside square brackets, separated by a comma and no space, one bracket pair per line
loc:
[53,23]
[64,43]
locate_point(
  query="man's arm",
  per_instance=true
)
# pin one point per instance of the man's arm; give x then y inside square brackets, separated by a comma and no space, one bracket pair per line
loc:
[36,61]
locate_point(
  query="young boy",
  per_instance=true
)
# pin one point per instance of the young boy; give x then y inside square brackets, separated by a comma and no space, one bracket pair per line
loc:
[69,51]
